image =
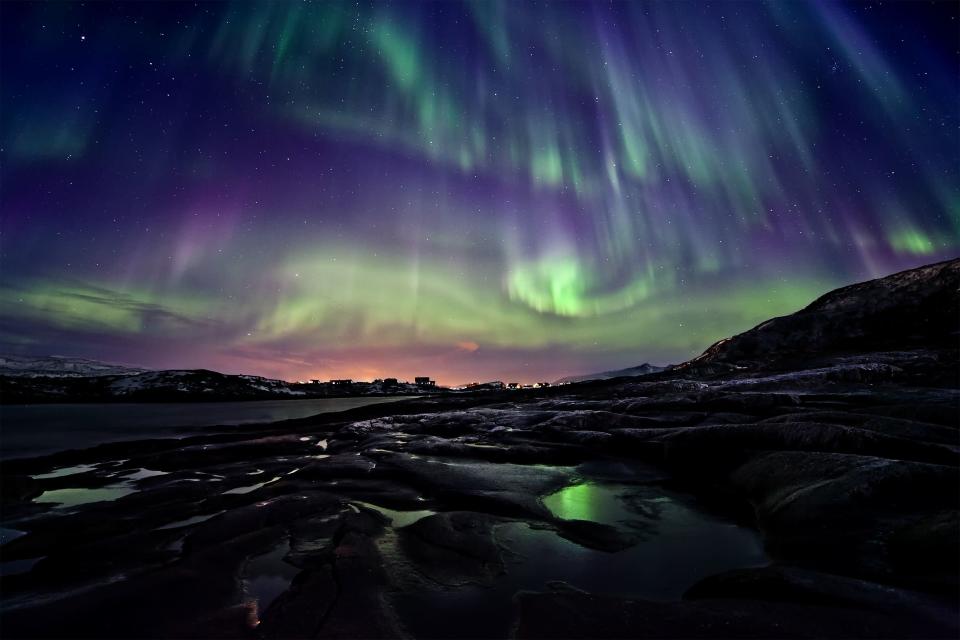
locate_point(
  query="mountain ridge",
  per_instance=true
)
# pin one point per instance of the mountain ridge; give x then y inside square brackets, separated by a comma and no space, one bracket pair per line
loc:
[914,308]
[62,366]
[639,370]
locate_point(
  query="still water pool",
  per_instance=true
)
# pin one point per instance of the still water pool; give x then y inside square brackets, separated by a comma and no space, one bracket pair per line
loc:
[30,430]
[677,545]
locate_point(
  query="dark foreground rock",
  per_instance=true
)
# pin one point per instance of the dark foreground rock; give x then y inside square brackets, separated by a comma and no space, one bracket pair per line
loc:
[581,615]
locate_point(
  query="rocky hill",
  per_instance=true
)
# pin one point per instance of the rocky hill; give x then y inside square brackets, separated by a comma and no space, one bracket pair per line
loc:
[918,308]
[172,385]
[60,366]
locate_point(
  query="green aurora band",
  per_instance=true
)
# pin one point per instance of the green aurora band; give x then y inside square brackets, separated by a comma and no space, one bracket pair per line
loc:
[470,190]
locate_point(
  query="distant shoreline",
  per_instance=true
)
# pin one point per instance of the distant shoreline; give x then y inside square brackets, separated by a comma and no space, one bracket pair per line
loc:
[201,400]
[43,429]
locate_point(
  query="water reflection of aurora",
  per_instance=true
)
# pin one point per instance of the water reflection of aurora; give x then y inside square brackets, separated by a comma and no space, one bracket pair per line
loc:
[576,502]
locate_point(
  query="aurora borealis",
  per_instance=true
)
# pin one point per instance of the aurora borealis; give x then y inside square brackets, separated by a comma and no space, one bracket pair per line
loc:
[469,191]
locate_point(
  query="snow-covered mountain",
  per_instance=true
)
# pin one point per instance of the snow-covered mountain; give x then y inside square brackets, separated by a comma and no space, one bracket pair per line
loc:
[640,370]
[148,386]
[199,382]
[60,366]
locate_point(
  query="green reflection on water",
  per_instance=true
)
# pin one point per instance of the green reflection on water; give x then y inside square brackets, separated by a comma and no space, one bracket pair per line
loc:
[576,502]
[614,505]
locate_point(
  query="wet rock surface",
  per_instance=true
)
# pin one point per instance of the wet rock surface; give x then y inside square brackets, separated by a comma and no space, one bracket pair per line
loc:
[454,548]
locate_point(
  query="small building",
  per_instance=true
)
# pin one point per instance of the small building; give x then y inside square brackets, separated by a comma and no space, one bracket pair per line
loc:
[513,385]
[390,382]
[424,381]
[343,382]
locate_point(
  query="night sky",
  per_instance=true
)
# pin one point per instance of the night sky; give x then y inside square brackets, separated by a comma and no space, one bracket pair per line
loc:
[470,191]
